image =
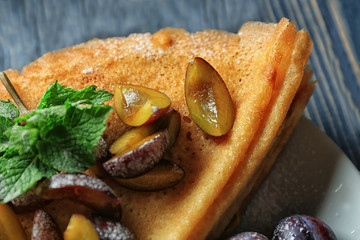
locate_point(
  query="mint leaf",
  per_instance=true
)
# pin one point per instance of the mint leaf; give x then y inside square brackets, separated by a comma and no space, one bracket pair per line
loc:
[18,173]
[57,94]
[22,139]
[59,135]
[77,136]
[8,112]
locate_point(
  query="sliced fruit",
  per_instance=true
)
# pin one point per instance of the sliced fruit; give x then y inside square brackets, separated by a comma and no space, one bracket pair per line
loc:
[29,201]
[208,99]
[10,227]
[44,227]
[137,105]
[141,158]
[80,228]
[85,189]
[172,122]
[164,175]
[132,137]
[109,229]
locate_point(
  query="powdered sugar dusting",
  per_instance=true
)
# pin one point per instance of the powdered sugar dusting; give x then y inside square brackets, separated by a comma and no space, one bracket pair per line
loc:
[63,180]
[88,70]
[108,229]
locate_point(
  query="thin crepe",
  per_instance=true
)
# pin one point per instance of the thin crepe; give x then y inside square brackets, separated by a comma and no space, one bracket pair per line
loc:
[262,66]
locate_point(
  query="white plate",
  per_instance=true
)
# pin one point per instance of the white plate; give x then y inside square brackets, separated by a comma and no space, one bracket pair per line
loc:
[311,176]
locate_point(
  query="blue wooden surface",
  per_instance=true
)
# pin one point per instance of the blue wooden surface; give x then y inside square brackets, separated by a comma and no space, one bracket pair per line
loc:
[31,28]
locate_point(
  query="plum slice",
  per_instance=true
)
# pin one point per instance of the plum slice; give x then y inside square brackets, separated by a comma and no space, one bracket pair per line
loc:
[29,201]
[164,175]
[132,137]
[137,105]
[172,122]
[85,189]
[109,229]
[10,227]
[80,228]
[208,99]
[44,227]
[141,158]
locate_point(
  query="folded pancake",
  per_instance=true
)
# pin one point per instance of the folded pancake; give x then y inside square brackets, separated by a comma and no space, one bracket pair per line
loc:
[263,68]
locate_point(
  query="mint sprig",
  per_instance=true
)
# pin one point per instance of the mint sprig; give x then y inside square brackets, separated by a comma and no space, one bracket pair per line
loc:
[59,135]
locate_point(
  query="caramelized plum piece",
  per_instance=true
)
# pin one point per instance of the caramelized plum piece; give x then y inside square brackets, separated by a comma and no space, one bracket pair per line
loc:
[126,141]
[303,227]
[80,228]
[109,229]
[164,175]
[44,227]
[248,236]
[85,189]
[137,105]
[141,158]
[208,99]
[29,201]
[171,121]
[10,227]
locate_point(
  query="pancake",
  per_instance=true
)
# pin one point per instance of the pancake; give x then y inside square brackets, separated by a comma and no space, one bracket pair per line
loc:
[263,66]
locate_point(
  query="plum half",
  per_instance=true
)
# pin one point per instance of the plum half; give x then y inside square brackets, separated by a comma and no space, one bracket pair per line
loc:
[29,201]
[85,189]
[208,99]
[137,105]
[80,228]
[10,226]
[170,121]
[44,227]
[141,158]
[126,141]
[164,175]
[109,229]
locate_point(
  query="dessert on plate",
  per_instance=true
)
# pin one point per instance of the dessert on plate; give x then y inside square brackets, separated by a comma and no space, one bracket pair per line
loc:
[263,67]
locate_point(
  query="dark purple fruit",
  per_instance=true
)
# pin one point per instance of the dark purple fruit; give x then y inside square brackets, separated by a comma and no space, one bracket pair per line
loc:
[248,236]
[44,227]
[141,158]
[164,175]
[85,189]
[112,230]
[29,201]
[172,122]
[302,227]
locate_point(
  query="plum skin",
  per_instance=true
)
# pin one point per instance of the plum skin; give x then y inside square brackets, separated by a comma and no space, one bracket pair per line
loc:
[248,236]
[303,227]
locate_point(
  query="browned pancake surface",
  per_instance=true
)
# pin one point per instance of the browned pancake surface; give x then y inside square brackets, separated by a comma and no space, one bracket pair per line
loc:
[253,64]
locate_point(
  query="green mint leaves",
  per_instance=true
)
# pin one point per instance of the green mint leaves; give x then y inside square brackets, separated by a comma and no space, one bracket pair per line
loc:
[59,135]
[8,112]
